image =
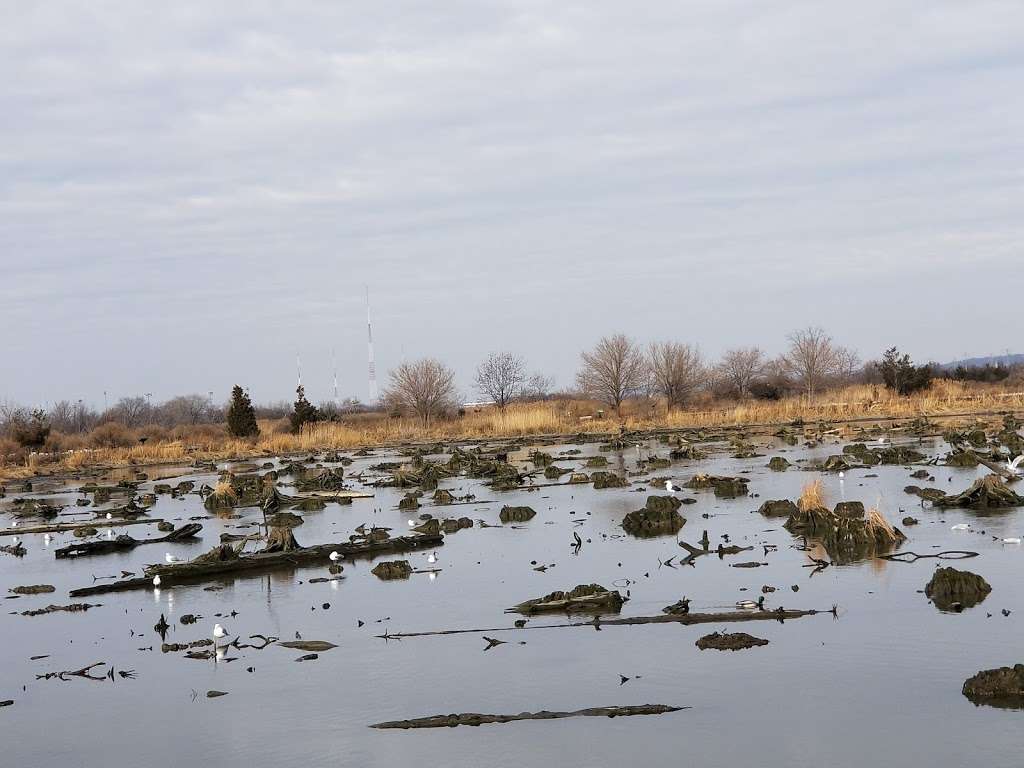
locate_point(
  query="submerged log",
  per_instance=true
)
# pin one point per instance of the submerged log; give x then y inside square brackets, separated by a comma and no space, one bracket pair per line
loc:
[474,719]
[184,573]
[780,614]
[60,527]
[125,542]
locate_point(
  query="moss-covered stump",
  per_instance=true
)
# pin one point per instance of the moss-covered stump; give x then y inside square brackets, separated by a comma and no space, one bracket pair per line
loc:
[724,487]
[1002,687]
[552,472]
[596,462]
[608,480]
[836,463]
[778,508]
[516,514]
[410,501]
[84,532]
[850,509]
[846,539]
[928,494]
[686,452]
[729,641]
[963,459]
[660,517]
[779,464]
[950,589]
[442,497]
[453,524]
[165,526]
[430,527]
[579,478]
[585,598]
[392,569]
[988,492]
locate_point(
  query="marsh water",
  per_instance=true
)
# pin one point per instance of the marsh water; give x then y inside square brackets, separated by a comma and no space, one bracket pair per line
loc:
[880,683]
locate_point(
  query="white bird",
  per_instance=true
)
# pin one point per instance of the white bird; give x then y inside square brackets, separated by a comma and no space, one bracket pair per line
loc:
[432,558]
[17,540]
[218,632]
[171,559]
[750,604]
[960,527]
[156,581]
[842,475]
[1014,466]
[412,523]
[882,441]
[671,488]
[109,516]
[47,538]
[14,524]
[334,557]
[431,575]
[1012,540]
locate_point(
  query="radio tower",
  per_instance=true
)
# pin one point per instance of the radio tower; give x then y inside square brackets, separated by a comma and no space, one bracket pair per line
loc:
[298,368]
[334,364]
[369,346]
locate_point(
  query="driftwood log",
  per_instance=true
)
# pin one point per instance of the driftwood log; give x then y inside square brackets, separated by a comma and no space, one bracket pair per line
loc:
[125,542]
[474,719]
[186,573]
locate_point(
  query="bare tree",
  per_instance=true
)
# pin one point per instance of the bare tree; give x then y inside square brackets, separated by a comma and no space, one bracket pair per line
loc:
[425,388]
[613,370]
[537,387]
[740,367]
[848,364]
[501,377]
[184,409]
[62,416]
[130,411]
[811,357]
[676,371]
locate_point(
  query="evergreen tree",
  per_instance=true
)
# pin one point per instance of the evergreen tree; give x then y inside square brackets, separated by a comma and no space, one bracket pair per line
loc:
[241,415]
[901,375]
[305,412]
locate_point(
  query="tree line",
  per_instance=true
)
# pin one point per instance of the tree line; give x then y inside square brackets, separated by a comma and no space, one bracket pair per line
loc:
[616,369]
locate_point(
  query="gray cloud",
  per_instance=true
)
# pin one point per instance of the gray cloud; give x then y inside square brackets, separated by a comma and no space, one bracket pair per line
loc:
[191,193]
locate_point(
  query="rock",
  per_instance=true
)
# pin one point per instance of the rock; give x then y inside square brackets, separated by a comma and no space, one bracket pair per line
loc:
[778,508]
[516,514]
[908,521]
[165,526]
[392,569]
[779,464]
[850,509]
[950,588]
[921,474]
[725,641]
[1002,687]
[659,517]
[608,480]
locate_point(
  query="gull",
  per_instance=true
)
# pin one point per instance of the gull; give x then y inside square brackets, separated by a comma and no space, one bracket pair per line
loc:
[672,488]
[171,559]
[432,558]
[156,581]
[842,475]
[1013,466]
[109,516]
[334,557]
[17,540]
[412,523]
[219,633]
[1012,540]
[960,527]
[47,538]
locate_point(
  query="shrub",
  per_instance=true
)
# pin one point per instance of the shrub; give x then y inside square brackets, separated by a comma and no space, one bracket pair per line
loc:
[112,435]
[241,415]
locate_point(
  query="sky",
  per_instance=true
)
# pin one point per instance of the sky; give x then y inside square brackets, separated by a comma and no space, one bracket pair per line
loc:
[193,193]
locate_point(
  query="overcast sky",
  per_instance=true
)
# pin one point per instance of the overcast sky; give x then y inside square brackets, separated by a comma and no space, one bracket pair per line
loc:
[193,192]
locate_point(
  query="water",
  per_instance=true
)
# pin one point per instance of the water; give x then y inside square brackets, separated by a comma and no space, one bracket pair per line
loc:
[880,683]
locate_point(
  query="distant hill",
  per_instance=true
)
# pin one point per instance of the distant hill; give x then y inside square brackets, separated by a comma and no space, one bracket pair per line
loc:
[981,362]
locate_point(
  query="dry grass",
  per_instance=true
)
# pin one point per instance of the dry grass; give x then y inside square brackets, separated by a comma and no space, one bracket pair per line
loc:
[812,497]
[880,529]
[543,418]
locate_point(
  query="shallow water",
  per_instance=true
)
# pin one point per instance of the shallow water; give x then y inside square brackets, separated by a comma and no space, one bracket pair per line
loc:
[880,683]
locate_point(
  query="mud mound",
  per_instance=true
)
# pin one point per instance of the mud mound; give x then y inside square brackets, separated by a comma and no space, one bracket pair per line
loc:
[516,514]
[1002,687]
[950,589]
[660,517]
[726,641]
[584,598]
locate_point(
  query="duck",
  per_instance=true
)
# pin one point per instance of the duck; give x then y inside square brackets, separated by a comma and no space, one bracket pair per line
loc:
[750,605]
[960,527]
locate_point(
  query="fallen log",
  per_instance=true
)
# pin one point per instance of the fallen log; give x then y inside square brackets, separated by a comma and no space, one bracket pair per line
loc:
[999,469]
[780,615]
[59,527]
[474,719]
[186,573]
[125,542]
